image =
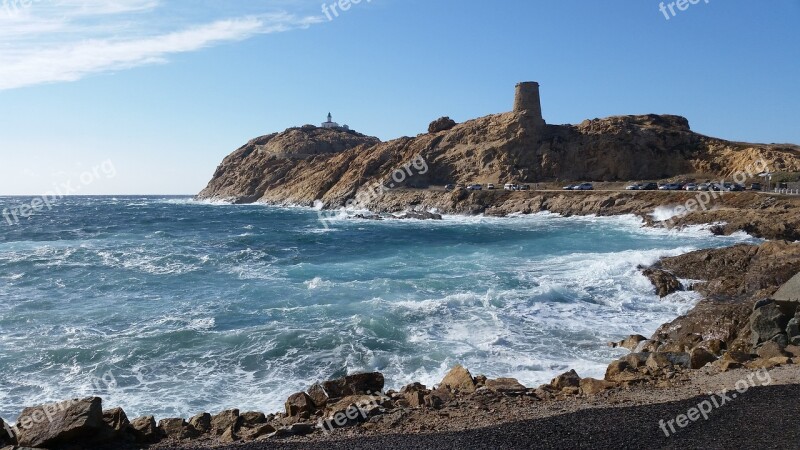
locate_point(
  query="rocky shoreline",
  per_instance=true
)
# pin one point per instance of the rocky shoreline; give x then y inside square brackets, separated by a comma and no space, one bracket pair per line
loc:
[747,321]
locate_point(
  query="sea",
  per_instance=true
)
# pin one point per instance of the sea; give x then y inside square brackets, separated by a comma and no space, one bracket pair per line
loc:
[168,306]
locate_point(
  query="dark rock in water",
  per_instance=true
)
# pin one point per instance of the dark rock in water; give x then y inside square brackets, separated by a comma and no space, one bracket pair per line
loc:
[359,384]
[441,124]
[766,323]
[419,215]
[566,380]
[55,424]
[144,430]
[367,217]
[665,282]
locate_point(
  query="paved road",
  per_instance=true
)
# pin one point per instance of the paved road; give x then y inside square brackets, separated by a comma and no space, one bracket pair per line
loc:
[762,418]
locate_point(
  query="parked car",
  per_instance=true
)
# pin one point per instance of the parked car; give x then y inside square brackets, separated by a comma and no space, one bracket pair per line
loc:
[450,187]
[584,187]
[756,187]
[475,187]
[570,187]
[670,187]
[490,186]
[634,187]
[690,187]
[510,187]
[525,187]
[703,186]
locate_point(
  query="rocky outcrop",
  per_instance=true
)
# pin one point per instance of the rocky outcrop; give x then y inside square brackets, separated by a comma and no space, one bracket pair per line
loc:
[665,282]
[441,124]
[301,165]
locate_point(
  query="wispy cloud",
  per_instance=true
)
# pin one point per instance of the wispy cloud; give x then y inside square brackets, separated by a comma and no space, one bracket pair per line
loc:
[57,41]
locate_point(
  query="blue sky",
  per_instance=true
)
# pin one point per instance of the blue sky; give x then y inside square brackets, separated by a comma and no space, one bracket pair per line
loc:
[165,89]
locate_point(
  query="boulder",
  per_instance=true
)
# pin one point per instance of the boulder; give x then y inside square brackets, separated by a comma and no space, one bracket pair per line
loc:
[632,342]
[253,419]
[508,386]
[68,422]
[458,380]
[636,360]
[591,386]
[668,360]
[767,322]
[359,384]
[318,395]
[253,433]
[438,398]
[789,293]
[740,357]
[665,282]
[770,350]
[116,419]
[726,365]
[224,421]
[616,370]
[201,422]
[6,433]
[174,428]
[566,380]
[793,350]
[144,430]
[714,346]
[441,124]
[699,357]
[793,329]
[299,404]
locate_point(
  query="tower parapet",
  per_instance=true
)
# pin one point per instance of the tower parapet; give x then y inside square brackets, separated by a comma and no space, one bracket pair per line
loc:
[527,100]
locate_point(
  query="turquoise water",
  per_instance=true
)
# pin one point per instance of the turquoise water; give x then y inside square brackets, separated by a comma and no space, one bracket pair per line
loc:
[171,307]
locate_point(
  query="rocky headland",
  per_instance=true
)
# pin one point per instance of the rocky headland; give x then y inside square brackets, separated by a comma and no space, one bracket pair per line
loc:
[747,320]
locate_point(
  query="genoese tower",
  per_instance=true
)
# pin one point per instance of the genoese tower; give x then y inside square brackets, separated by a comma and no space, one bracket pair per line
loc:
[527,101]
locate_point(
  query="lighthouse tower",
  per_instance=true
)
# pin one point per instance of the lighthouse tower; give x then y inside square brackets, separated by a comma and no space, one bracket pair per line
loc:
[527,101]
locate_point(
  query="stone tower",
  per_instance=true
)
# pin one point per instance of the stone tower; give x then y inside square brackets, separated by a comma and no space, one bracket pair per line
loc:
[527,100]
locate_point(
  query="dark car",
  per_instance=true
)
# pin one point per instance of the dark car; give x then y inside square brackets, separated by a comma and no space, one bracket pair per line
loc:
[649,187]
[450,187]
[756,187]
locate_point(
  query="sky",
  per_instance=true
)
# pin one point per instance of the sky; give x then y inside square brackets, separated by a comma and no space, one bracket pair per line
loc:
[147,96]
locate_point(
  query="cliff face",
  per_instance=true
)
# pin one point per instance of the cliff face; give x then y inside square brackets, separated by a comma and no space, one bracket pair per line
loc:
[302,165]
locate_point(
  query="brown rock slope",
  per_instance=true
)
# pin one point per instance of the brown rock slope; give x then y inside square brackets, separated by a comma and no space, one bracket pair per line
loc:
[301,165]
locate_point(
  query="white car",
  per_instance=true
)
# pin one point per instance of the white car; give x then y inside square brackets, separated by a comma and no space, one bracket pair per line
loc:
[690,187]
[490,186]
[510,187]
[475,187]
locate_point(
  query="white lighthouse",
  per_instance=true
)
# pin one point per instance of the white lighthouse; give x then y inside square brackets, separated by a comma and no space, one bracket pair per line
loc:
[331,124]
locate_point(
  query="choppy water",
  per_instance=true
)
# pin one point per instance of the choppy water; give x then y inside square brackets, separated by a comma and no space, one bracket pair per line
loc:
[171,307]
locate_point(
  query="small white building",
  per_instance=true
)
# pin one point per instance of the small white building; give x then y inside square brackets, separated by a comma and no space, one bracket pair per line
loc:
[331,124]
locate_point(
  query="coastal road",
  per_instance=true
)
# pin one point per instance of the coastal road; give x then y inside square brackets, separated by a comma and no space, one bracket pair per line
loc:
[762,418]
